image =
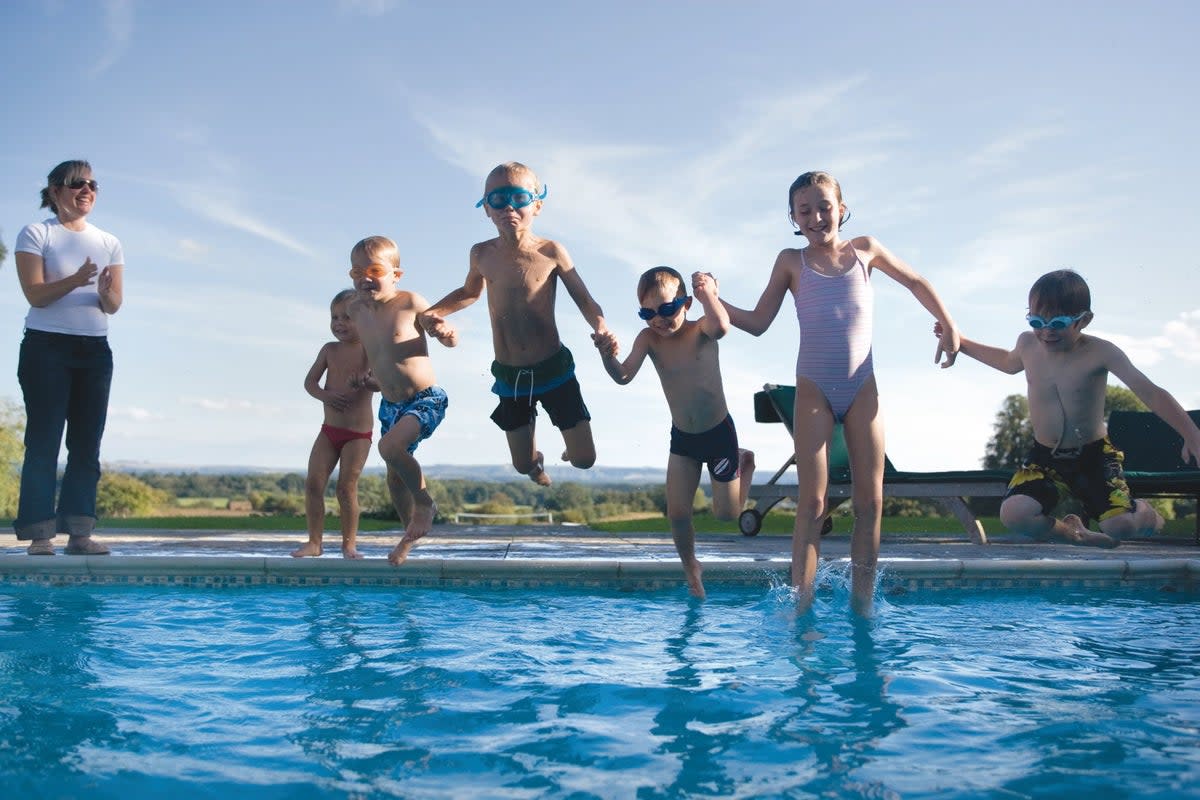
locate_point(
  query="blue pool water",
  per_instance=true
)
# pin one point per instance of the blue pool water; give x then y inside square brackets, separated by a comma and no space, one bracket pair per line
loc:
[351,692]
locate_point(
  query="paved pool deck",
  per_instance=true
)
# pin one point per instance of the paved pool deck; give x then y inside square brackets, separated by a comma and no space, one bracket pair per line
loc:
[538,555]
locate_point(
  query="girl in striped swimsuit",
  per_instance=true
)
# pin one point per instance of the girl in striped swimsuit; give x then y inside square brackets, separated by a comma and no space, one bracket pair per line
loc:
[835,381]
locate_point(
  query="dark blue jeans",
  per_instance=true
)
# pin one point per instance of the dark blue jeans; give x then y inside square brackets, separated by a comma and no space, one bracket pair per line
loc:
[65,380]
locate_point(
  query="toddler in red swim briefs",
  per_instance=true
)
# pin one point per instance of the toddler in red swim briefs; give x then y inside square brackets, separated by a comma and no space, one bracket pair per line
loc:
[345,436]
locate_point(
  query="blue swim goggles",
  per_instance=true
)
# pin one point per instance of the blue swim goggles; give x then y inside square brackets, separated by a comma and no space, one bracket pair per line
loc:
[1056,324]
[515,196]
[665,310]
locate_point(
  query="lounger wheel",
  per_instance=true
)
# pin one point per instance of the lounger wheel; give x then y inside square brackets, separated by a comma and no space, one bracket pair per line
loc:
[750,522]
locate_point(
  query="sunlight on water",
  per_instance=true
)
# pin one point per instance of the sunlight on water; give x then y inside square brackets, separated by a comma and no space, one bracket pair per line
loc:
[371,692]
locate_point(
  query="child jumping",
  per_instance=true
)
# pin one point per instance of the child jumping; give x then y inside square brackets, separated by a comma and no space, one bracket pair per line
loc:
[345,436]
[835,380]
[521,272]
[684,353]
[413,405]
[1066,372]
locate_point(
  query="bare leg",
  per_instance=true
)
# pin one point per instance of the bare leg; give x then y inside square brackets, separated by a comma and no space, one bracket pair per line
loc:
[729,498]
[1144,520]
[683,476]
[1023,515]
[321,461]
[811,431]
[580,448]
[863,428]
[526,458]
[745,476]
[394,449]
[354,456]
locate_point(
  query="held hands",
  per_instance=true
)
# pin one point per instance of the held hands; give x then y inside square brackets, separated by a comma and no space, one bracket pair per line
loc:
[949,343]
[704,287]
[606,343]
[436,326]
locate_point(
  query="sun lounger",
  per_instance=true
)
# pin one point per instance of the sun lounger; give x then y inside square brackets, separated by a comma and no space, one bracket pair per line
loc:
[1153,467]
[948,489]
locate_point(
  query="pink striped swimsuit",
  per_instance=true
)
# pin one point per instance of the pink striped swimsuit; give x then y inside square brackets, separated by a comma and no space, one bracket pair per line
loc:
[835,315]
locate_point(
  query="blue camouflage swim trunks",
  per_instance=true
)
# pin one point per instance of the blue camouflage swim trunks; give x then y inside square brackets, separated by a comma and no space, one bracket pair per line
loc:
[427,405]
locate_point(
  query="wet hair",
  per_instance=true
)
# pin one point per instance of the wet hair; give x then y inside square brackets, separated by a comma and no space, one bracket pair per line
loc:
[378,248]
[341,297]
[815,179]
[660,276]
[64,173]
[1062,290]
[514,169]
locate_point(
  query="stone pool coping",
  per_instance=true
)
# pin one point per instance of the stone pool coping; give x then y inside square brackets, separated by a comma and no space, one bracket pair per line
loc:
[501,556]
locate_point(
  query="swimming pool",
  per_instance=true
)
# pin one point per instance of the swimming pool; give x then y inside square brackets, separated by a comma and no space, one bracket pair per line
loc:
[379,692]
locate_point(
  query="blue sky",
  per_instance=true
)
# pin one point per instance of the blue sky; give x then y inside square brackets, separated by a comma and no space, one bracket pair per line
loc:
[242,148]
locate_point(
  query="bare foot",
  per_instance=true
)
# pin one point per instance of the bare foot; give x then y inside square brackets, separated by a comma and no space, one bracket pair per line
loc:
[350,552]
[421,524]
[307,549]
[399,553]
[538,473]
[1077,533]
[695,584]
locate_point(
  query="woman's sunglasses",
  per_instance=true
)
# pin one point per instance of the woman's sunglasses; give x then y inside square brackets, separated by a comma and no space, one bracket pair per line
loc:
[77,185]
[1056,323]
[665,310]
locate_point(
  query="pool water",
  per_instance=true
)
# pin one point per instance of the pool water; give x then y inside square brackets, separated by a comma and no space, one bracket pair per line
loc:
[355,692]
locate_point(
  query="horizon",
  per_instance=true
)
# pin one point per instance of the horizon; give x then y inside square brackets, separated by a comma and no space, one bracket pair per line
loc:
[238,164]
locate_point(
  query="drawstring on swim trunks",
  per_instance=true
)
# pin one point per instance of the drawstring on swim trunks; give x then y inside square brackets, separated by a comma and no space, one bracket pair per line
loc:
[517,383]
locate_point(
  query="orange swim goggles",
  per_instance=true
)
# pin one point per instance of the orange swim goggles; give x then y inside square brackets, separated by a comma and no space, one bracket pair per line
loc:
[372,271]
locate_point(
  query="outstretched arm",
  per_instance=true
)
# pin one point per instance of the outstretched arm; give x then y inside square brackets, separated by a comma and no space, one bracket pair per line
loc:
[882,259]
[579,292]
[621,371]
[434,324]
[715,322]
[433,319]
[995,357]
[756,321]
[1158,400]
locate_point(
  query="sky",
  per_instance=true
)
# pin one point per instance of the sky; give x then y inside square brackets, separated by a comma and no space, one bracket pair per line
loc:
[243,147]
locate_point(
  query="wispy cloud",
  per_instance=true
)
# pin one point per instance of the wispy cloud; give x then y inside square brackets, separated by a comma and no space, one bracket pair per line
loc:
[230,405]
[118,31]
[1178,341]
[1001,151]
[227,211]
[370,8]
[646,202]
[134,413]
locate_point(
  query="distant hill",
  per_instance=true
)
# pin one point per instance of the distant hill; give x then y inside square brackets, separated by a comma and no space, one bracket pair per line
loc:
[472,472]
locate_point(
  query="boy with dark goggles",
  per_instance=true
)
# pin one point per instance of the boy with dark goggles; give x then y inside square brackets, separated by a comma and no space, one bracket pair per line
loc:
[665,310]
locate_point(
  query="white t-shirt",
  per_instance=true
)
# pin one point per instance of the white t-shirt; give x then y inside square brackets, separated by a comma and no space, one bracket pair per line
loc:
[63,252]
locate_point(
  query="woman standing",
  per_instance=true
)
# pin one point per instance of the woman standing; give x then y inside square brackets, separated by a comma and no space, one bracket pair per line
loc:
[70,272]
